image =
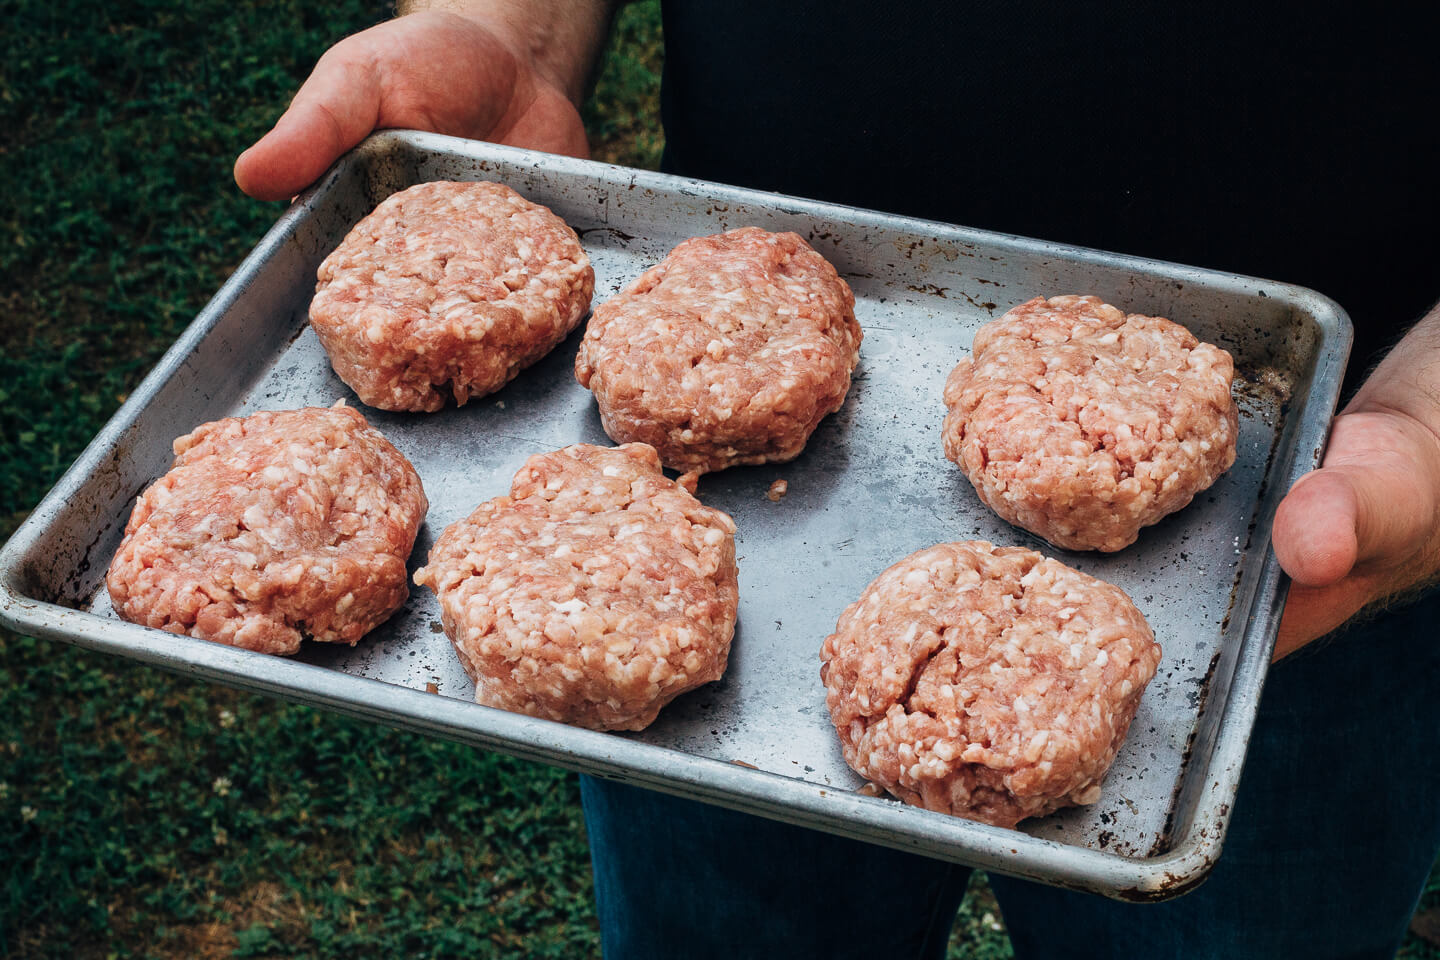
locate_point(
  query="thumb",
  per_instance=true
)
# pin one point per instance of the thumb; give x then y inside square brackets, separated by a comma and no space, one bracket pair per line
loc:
[1362,527]
[1315,535]
[1341,517]
[336,108]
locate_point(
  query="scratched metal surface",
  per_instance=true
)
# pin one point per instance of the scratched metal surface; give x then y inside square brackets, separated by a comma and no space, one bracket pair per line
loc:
[872,487]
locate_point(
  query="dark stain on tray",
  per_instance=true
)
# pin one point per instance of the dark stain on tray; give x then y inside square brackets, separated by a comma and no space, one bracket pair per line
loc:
[1229,611]
[620,235]
[298,331]
[1172,886]
[1260,387]
[76,583]
[987,306]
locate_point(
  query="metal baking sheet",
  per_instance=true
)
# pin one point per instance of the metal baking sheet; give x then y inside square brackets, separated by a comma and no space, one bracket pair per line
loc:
[872,486]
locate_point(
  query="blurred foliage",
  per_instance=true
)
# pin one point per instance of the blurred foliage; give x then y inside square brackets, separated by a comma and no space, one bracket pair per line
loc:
[1427,918]
[623,113]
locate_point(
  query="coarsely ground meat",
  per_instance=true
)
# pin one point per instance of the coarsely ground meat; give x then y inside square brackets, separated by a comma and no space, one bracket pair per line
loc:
[729,351]
[594,594]
[448,288]
[272,527]
[990,683]
[1082,424]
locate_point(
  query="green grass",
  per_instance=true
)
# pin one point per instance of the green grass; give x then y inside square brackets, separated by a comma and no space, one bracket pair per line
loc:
[163,818]
[145,815]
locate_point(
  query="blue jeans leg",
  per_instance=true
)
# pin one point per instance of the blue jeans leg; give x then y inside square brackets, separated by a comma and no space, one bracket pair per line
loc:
[675,878]
[1335,829]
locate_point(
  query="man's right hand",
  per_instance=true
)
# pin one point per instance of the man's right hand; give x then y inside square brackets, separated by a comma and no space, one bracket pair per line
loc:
[433,70]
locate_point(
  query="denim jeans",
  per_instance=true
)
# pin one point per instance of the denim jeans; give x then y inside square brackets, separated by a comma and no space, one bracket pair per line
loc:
[1334,831]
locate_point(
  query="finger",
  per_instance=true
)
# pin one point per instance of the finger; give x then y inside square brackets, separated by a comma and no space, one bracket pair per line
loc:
[1315,536]
[336,108]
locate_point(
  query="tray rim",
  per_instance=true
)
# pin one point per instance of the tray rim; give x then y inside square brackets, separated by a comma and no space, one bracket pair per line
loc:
[1163,876]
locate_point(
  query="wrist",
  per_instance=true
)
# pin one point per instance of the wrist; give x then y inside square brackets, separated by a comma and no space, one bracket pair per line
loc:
[1407,380]
[559,40]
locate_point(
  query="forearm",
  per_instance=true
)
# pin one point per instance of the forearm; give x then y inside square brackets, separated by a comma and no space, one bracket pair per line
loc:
[1407,381]
[563,37]
[1403,393]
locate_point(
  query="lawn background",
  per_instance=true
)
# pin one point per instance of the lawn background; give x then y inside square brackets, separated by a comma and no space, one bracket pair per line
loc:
[147,815]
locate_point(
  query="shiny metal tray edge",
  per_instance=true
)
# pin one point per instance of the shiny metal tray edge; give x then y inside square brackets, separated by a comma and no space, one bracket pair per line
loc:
[88,489]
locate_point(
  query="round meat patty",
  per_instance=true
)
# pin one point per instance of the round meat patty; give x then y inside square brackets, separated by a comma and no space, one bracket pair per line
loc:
[594,594]
[448,288]
[272,527]
[989,683]
[729,351]
[1082,424]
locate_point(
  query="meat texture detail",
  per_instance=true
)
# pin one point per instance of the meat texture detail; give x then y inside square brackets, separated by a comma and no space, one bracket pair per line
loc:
[448,290]
[595,593]
[729,351]
[272,527]
[1083,424]
[989,683]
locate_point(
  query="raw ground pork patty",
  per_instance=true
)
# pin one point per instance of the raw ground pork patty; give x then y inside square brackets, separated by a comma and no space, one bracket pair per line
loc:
[448,288]
[272,527]
[729,351]
[594,594]
[1082,424]
[990,683]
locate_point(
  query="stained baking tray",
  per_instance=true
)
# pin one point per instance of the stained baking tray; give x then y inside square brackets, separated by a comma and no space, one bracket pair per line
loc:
[871,487]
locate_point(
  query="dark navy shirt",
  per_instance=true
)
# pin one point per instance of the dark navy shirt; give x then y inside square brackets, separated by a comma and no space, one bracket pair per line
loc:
[1298,142]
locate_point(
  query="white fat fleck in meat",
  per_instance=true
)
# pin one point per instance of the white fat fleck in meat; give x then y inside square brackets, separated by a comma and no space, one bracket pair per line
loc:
[1083,424]
[952,694]
[617,592]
